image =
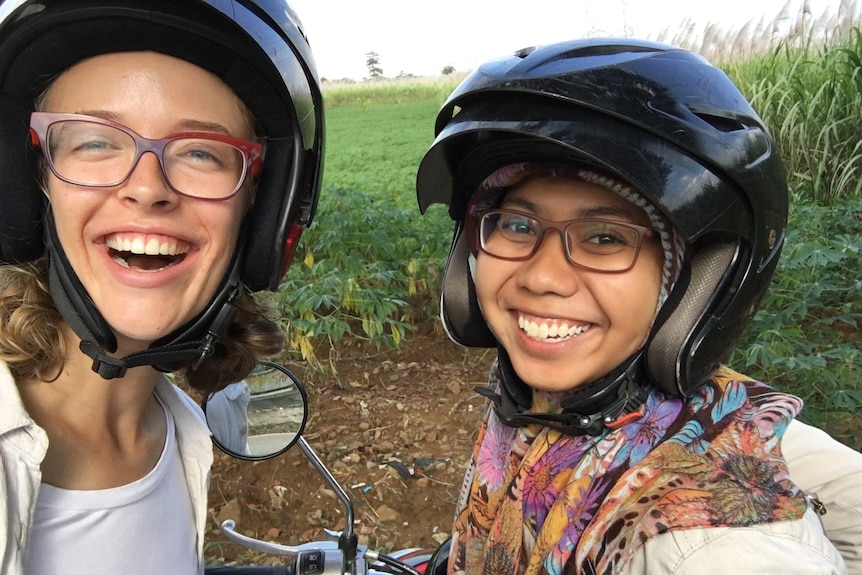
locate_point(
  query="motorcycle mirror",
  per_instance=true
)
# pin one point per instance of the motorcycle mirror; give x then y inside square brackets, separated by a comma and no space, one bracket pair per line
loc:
[259,417]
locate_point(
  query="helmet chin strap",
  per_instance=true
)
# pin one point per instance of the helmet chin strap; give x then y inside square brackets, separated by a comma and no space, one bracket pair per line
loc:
[190,344]
[586,412]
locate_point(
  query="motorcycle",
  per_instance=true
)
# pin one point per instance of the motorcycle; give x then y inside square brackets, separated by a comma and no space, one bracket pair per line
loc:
[264,416]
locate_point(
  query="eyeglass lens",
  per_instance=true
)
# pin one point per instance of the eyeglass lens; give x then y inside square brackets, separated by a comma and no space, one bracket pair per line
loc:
[597,244]
[94,154]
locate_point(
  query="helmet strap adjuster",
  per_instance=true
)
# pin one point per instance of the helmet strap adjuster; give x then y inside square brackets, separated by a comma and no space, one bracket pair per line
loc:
[608,404]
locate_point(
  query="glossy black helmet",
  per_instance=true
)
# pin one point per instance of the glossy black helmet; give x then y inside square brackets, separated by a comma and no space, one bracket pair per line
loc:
[257,47]
[659,118]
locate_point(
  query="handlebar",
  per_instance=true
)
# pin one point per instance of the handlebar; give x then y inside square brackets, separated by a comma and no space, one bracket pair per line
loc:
[246,570]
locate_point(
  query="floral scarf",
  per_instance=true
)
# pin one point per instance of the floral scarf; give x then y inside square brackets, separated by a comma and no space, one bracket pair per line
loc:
[537,501]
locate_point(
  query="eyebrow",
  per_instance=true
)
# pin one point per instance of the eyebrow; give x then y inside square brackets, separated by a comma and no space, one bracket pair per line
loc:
[105,115]
[186,125]
[590,212]
[199,126]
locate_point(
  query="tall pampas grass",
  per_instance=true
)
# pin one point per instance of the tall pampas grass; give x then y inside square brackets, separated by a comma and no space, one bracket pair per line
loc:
[795,26]
[803,74]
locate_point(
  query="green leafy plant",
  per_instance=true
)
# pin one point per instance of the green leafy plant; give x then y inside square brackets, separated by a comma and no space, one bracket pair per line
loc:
[358,272]
[805,338]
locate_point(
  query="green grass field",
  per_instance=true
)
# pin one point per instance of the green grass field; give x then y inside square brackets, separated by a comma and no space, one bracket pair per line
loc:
[376,147]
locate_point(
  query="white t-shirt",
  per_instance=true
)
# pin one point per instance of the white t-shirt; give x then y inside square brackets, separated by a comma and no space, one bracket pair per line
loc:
[145,527]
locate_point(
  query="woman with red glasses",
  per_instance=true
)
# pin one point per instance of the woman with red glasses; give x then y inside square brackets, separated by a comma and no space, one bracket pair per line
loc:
[619,211]
[140,216]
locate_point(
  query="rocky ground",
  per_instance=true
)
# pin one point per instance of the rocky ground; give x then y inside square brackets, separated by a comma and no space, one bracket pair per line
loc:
[395,427]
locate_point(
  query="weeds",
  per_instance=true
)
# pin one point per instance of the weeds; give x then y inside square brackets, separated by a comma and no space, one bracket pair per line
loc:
[811,98]
[360,269]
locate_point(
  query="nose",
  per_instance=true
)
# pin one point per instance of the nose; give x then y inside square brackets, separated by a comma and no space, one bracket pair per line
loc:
[146,184]
[549,271]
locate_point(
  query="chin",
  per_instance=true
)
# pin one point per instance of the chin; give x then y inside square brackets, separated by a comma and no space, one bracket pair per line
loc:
[547,378]
[143,333]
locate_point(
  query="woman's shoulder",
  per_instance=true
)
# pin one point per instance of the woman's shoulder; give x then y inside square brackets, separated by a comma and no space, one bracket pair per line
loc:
[831,471]
[788,547]
[13,415]
[178,401]
[21,439]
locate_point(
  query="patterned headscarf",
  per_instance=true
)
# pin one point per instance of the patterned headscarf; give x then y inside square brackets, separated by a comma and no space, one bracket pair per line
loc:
[536,501]
[492,190]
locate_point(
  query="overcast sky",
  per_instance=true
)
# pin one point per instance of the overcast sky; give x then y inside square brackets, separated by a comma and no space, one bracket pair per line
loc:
[421,37]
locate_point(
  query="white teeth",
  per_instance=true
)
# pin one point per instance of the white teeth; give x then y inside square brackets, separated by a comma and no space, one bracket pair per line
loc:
[140,246]
[543,331]
[153,247]
[554,331]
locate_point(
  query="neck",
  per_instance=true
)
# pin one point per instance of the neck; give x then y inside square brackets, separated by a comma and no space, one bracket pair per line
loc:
[102,433]
[80,393]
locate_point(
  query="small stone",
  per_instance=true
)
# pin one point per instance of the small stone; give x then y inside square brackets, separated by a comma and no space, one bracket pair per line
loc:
[386,514]
[230,510]
[326,492]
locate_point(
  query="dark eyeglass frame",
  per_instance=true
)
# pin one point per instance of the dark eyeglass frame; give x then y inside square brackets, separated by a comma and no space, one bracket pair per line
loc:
[41,122]
[560,227]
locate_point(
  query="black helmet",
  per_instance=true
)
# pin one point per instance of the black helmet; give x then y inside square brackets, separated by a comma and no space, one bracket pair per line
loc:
[659,118]
[257,47]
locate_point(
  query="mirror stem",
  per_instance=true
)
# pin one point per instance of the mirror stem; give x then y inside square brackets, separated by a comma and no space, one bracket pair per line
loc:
[348,540]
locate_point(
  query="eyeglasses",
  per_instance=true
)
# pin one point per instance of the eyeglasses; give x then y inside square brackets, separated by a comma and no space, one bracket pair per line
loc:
[95,152]
[591,243]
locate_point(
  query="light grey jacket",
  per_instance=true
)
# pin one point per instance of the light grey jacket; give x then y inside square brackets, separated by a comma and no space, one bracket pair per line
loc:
[818,465]
[833,471]
[783,548]
[23,445]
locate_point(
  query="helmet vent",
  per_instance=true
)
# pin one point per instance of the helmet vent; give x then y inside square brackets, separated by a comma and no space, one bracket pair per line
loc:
[722,123]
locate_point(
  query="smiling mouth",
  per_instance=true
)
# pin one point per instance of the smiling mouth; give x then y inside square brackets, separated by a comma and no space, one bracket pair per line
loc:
[552,331]
[145,253]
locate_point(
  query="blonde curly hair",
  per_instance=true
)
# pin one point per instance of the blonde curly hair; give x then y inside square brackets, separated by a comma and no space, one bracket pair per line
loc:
[33,345]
